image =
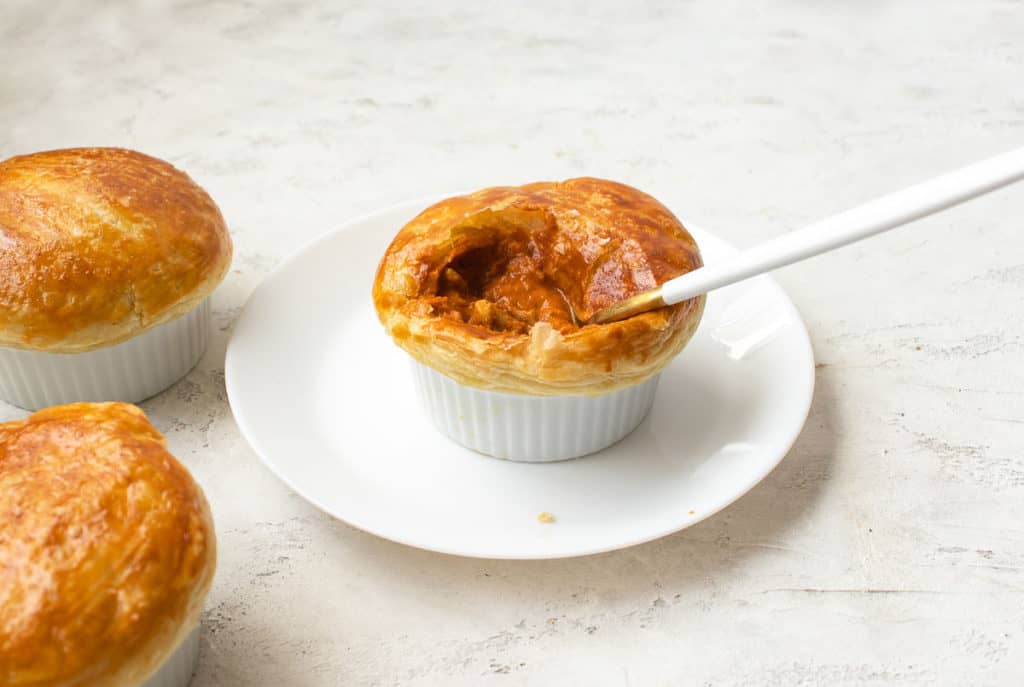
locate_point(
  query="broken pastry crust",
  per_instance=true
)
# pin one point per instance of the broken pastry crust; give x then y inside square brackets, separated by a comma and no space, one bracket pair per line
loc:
[489,288]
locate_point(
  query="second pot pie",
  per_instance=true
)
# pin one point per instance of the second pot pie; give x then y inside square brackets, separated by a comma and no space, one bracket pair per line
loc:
[484,288]
[107,259]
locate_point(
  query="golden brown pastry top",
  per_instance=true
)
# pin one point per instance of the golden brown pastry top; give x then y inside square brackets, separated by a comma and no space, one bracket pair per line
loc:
[484,287]
[99,244]
[107,548]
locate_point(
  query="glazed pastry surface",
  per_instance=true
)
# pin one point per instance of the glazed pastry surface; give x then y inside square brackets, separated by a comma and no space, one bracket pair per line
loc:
[99,244]
[489,288]
[107,548]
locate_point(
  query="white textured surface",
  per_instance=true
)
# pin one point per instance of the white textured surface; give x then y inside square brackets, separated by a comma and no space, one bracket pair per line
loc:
[886,549]
[533,429]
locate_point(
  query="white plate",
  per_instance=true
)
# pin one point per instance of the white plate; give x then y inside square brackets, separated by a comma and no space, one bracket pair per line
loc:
[327,402]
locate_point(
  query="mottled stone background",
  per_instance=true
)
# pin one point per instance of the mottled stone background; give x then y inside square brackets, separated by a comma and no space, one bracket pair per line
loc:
[886,549]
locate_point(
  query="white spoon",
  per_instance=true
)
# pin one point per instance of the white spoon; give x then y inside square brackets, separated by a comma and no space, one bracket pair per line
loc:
[873,217]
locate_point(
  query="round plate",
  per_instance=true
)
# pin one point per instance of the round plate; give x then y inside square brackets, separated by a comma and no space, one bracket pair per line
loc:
[326,400]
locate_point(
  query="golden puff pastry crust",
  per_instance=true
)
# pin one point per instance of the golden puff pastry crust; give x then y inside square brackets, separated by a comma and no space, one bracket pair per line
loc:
[100,244]
[483,287]
[107,548]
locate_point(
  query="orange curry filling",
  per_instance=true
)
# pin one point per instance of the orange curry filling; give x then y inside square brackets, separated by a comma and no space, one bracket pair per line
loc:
[516,267]
[504,287]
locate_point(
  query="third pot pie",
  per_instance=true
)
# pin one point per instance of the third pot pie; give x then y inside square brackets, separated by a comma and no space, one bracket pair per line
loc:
[487,291]
[107,551]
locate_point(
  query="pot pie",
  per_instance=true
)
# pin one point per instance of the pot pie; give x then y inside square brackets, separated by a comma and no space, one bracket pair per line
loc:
[99,246]
[487,291]
[107,549]
[487,288]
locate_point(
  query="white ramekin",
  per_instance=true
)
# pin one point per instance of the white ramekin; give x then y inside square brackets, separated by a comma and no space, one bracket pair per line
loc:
[531,429]
[130,371]
[177,670]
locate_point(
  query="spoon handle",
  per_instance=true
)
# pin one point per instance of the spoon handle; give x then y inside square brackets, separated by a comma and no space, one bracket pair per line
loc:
[873,217]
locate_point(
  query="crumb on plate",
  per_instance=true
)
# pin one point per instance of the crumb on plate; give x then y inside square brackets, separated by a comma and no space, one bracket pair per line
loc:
[546,518]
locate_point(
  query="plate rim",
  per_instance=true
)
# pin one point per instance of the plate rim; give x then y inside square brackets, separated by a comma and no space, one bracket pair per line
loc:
[230,359]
